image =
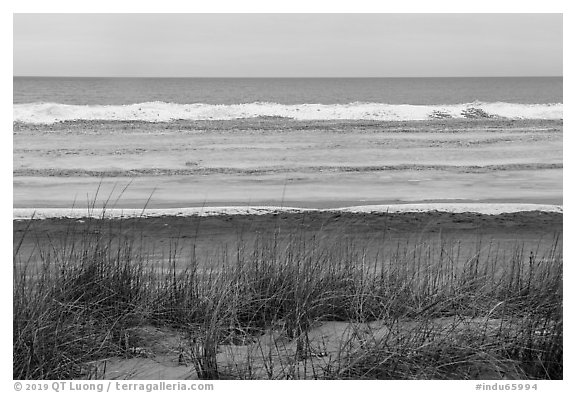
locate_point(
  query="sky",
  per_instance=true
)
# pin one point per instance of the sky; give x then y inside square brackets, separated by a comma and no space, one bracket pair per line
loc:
[287,45]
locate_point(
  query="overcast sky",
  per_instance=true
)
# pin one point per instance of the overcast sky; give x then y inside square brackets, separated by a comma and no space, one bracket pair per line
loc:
[288,45]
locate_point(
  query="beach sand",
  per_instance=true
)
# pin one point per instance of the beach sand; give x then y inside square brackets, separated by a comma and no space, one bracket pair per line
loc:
[319,164]
[377,233]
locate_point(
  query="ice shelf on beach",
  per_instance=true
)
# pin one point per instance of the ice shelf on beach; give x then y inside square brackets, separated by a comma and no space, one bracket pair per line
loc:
[49,113]
[480,208]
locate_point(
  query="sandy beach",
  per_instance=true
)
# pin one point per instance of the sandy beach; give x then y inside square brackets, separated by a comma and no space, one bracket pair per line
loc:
[378,233]
[212,182]
[313,164]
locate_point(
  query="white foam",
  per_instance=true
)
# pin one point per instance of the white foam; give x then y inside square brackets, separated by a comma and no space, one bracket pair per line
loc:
[49,113]
[43,213]
[482,208]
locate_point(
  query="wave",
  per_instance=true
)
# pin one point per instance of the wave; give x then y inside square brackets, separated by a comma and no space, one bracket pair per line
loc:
[49,113]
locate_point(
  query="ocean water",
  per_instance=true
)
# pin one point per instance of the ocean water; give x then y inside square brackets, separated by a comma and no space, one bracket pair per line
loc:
[288,91]
[50,100]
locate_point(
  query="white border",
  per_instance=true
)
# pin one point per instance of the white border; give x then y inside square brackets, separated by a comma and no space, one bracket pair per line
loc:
[294,6]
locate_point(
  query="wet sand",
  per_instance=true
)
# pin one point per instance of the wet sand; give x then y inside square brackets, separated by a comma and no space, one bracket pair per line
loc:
[316,164]
[306,164]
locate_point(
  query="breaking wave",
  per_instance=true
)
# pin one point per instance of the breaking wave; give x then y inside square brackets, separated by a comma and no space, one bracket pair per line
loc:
[49,113]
